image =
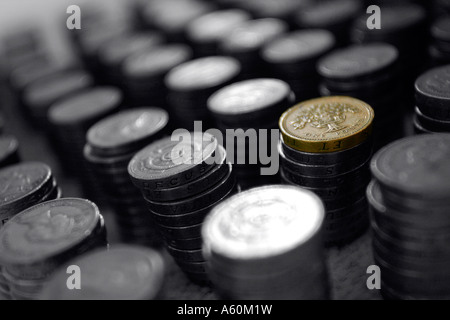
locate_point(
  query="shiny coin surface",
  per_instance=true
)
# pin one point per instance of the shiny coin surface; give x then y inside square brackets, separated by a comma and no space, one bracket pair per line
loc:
[327,124]
[417,166]
[46,230]
[127,129]
[202,73]
[263,222]
[121,273]
[168,163]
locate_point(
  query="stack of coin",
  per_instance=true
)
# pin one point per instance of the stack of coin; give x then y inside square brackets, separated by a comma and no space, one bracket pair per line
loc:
[111,144]
[256,105]
[113,53]
[335,16]
[181,181]
[192,83]
[439,49]
[326,148]
[370,73]
[9,150]
[207,32]
[34,243]
[71,118]
[267,244]
[433,101]
[172,17]
[25,185]
[279,9]
[120,273]
[244,43]
[42,93]
[144,73]
[410,202]
[293,58]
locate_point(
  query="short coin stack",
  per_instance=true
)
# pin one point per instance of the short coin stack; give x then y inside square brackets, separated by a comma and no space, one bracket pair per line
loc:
[25,185]
[410,203]
[190,85]
[120,273]
[326,147]
[267,244]
[433,101]
[370,73]
[439,49]
[71,118]
[111,144]
[9,150]
[251,104]
[181,182]
[292,57]
[34,243]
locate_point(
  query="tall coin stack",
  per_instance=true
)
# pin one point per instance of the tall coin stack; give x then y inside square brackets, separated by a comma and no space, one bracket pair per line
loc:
[335,16]
[252,104]
[439,49]
[326,148]
[25,185]
[370,73]
[267,244]
[293,57]
[245,42]
[71,118]
[138,274]
[9,150]
[34,243]
[410,202]
[181,181]
[192,83]
[144,73]
[207,32]
[433,101]
[111,144]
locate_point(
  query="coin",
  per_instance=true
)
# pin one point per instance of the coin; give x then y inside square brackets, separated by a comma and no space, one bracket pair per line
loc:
[126,130]
[327,124]
[121,273]
[415,166]
[31,240]
[186,244]
[169,163]
[426,123]
[432,97]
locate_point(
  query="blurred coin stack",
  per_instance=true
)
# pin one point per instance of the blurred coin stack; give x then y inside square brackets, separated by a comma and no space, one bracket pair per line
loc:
[326,147]
[25,185]
[173,17]
[9,150]
[42,93]
[34,243]
[138,274]
[405,27]
[245,42]
[410,202]
[279,9]
[433,101]
[370,73]
[181,182]
[206,33]
[70,119]
[111,144]
[267,244]
[113,53]
[293,57]
[439,49]
[336,16]
[144,73]
[256,105]
[192,83]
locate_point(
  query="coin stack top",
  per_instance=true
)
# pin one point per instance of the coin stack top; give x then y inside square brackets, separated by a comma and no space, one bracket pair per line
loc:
[327,124]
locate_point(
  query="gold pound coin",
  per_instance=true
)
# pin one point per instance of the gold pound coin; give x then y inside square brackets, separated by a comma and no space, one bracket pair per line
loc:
[328,124]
